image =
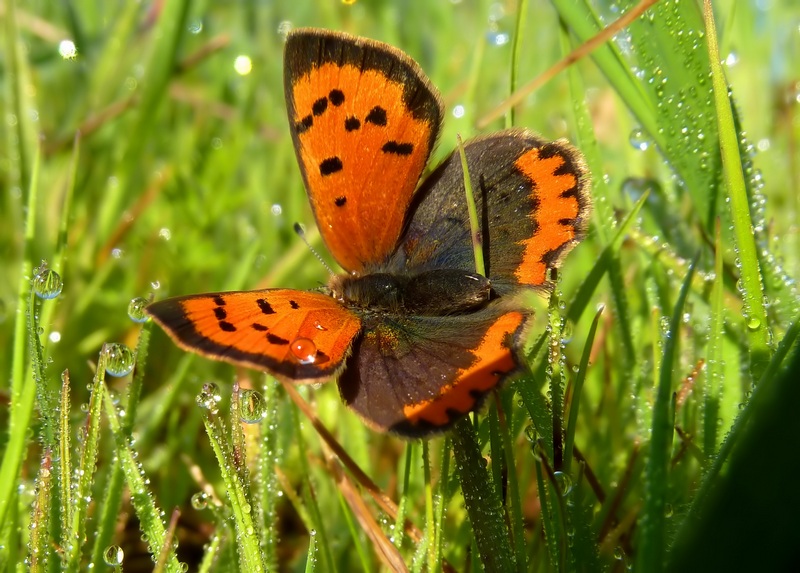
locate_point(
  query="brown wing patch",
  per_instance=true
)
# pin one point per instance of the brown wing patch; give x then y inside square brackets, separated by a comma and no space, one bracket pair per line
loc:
[364,119]
[561,196]
[296,335]
[493,361]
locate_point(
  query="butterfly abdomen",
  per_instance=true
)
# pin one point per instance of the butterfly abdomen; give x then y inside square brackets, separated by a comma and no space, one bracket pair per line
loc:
[441,292]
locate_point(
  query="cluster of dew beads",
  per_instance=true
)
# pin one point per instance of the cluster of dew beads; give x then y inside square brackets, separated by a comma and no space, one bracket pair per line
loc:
[209,398]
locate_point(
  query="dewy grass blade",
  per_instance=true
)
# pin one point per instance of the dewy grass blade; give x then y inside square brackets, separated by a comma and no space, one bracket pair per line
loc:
[755,315]
[761,388]
[430,526]
[39,545]
[483,505]
[65,459]
[589,285]
[572,421]
[404,501]
[153,529]
[269,457]
[442,496]
[247,534]
[112,500]
[652,548]
[516,43]
[76,534]
[514,501]
[475,230]
[23,395]
[715,368]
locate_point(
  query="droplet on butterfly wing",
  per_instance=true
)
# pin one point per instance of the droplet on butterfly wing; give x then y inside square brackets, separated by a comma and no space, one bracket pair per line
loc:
[304,350]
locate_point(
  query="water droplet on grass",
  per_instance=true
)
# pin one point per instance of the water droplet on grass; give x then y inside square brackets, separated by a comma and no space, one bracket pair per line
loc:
[120,359]
[113,555]
[136,310]
[252,406]
[47,283]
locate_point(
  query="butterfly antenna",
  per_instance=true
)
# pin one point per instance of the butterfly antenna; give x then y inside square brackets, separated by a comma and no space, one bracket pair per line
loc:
[301,232]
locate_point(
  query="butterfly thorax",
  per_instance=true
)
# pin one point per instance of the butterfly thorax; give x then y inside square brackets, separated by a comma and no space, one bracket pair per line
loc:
[439,292]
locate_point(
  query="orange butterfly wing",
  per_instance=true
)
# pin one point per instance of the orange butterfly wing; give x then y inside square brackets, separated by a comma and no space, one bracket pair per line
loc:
[364,119]
[296,335]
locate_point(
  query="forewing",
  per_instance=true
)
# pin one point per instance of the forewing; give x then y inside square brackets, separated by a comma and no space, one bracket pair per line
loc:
[300,336]
[417,375]
[364,119]
[533,204]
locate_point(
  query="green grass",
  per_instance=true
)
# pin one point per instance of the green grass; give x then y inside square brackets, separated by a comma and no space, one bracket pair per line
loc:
[655,435]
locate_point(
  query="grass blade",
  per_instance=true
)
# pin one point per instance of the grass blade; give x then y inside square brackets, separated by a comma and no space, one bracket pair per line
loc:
[483,505]
[652,546]
[755,315]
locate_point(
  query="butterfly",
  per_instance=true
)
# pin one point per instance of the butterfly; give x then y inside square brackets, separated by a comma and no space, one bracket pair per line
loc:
[414,336]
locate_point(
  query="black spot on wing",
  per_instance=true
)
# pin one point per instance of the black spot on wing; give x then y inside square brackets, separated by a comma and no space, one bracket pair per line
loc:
[336,97]
[319,106]
[377,116]
[274,339]
[218,300]
[294,304]
[265,307]
[340,201]
[398,148]
[330,166]
[259,327]
[304,124]
[352,124]
[220,313]
[226,326]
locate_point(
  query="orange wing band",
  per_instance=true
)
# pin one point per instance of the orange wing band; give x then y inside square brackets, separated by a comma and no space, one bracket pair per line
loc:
[557,217]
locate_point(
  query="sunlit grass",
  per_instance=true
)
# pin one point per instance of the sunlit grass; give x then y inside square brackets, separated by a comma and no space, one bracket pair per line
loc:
[145,153]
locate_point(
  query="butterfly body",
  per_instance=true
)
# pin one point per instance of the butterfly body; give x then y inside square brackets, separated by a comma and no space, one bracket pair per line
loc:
[440,292]
[415,337]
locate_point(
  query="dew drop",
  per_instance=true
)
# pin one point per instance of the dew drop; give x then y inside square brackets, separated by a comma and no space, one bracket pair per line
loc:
[639,140]
[113,555]
[199,500]
[119,359]
[47,283]
[304,350]
[136,310]
[195,26]
[564,482]
[252,406]
[753,324]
